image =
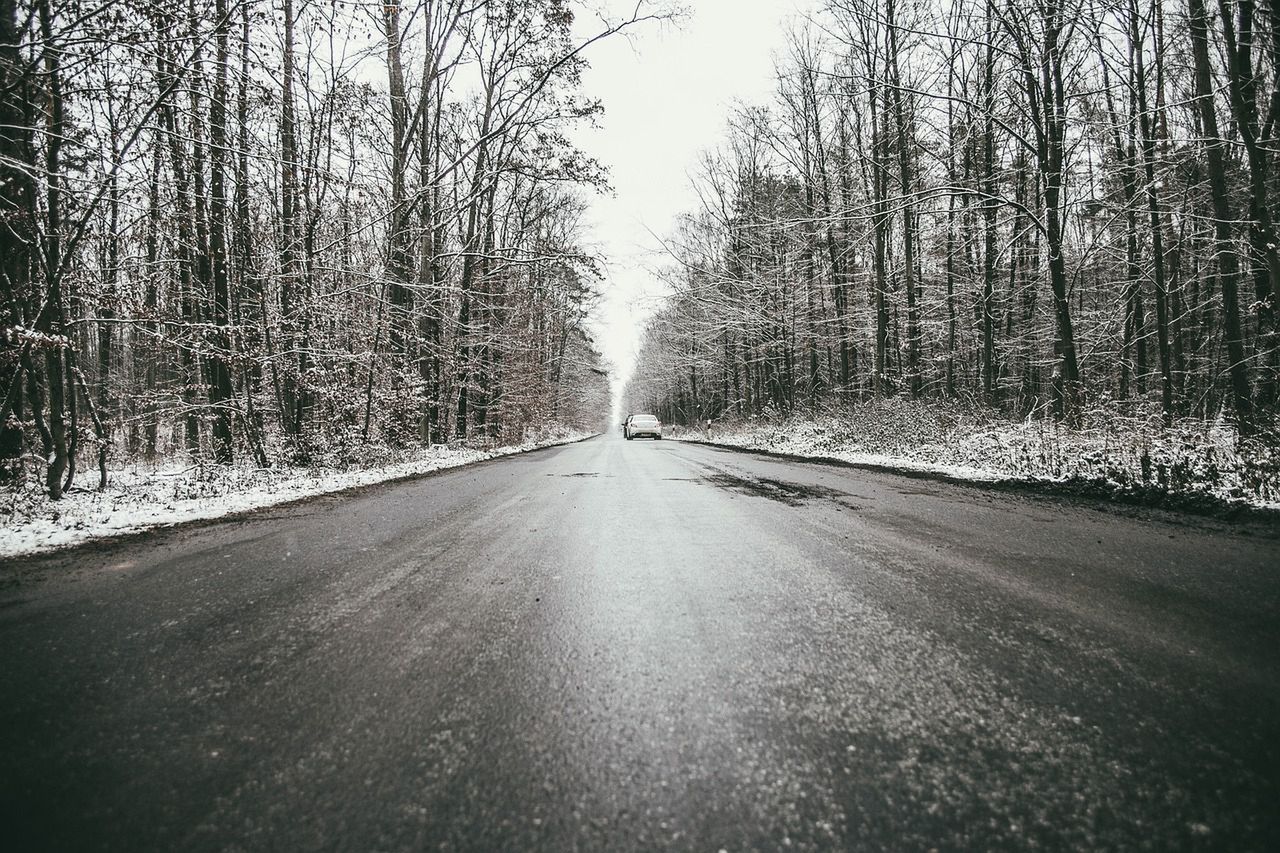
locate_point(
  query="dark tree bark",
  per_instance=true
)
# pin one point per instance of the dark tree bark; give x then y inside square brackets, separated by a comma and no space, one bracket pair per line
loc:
[1146,124]
[905,145]
[54,314]
[880,223]
[990,205]
[220,391]
[1051,145]
[1228,262]
[17,206]
[247,298]
[291,398]
[187,242]
[1242,83]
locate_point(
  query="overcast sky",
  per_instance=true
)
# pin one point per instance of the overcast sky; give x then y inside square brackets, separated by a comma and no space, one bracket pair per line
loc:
[667,93]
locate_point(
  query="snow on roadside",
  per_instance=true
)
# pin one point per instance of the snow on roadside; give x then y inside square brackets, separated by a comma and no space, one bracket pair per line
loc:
[140,498]
[1201,460]
[808,444]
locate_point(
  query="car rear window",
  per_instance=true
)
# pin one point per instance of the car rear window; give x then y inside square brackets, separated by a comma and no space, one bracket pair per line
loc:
[643,420]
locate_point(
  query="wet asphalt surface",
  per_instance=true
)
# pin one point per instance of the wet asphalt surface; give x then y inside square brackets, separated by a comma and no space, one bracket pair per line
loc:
[627,646]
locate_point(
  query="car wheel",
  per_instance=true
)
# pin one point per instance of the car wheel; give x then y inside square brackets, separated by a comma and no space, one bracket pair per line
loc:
[628,438]
[657,438]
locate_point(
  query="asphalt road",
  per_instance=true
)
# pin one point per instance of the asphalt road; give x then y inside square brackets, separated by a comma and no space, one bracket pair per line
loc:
[627,646]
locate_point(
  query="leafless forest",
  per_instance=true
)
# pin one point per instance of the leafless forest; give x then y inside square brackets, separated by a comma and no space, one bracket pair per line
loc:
[305,233]
[1059,210]
[289,232]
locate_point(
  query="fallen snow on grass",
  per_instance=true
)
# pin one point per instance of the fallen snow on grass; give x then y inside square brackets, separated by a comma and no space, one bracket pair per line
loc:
[1189,459]
[141,498]
[810,440]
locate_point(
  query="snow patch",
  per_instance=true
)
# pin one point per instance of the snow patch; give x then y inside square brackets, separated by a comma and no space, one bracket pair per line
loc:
[1193,458]
[141,498]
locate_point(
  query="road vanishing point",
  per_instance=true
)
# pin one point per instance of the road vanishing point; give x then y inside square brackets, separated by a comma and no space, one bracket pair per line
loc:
[626,646]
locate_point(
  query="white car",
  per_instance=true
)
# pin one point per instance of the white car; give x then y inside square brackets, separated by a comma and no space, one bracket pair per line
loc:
[638,425]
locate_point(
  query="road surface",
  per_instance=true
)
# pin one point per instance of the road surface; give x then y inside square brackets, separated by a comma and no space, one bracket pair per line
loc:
[627,646]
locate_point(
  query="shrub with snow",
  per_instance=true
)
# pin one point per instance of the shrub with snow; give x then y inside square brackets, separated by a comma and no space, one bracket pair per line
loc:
[1121,451]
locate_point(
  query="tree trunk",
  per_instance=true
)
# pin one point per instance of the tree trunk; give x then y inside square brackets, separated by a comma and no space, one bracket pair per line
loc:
[1146,125]
[905,145]
[220,391]
[1052,154]
[55,321]
[989,207]
[1228,262]
[17,209]
[291,379]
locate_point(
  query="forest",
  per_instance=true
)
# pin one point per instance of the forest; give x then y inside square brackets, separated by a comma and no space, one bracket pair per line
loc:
[1060,210]
[286,233]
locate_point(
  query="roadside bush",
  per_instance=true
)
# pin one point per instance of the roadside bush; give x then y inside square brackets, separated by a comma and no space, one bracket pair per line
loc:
[1112,447]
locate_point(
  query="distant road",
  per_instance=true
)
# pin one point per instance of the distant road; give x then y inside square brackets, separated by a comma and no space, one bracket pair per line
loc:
[634,645]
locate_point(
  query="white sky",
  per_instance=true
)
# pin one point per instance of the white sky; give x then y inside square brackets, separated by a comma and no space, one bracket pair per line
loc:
[667,93]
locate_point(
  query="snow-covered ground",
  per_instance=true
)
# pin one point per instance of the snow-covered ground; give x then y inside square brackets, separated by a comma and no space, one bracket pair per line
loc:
[1192,459]
[141,498]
